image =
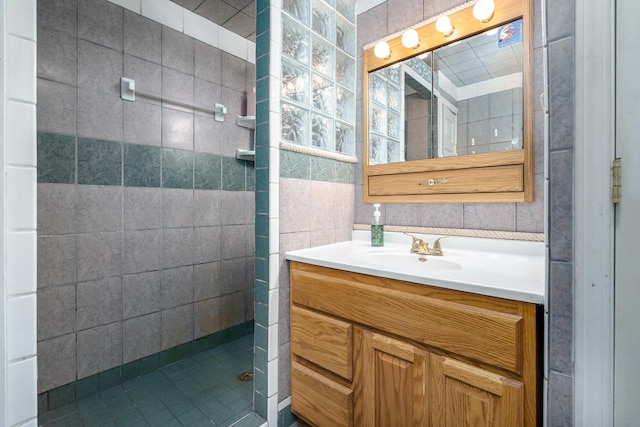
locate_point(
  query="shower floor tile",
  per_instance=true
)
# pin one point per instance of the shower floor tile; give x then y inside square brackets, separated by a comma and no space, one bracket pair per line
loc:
[202,390]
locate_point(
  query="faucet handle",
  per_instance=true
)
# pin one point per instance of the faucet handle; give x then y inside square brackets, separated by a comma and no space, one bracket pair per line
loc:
[437,247]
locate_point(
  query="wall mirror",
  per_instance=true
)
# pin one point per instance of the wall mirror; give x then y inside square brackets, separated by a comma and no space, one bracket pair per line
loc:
[451,120]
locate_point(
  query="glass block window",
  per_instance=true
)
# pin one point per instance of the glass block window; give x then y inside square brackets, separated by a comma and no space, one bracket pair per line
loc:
[318,74]
[386,130]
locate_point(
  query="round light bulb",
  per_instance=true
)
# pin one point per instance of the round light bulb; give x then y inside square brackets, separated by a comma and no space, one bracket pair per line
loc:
[483,10]
[410,39]
[382,50]
[443,24]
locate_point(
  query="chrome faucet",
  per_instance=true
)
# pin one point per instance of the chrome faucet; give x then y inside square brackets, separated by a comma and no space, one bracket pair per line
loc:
[421,247]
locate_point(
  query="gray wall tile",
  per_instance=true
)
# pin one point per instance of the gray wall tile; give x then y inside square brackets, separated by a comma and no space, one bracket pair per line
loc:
[561,202]
[141,337]
[177,129]
[236,208]
[178,50]
[56,260]
[57,56]
[99,114]
[142,123]
[99,302]
[99,68]
[59,15]
[177,287]
[234,277]
[233,135]
[294,194]
[529,215]
[284,368]
[208,62]
[561,93]
[208,244]
[371,26]
[235,72]
[56,209]
[207,319]
[177,326]
[403,13]
[177,208]
[142,251]
[207,280]
[207,207]
[56,362]
[560,19]
[490,216]
[206,94]
[232,310]
[233,241]
[207,134]
[561,318]
[147,75]
[99,349]
[99,208]
[178,247]
[409,214]
[142,294]
[56,109]
[142,208]
[56,311]
[142,37]
[560,400]
[99,256]
[101,22]
[178,86]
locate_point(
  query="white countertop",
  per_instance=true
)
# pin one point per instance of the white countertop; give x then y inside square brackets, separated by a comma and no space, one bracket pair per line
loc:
[508,269]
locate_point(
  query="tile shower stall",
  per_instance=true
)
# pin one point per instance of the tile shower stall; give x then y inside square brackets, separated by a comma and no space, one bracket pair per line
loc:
[145,217]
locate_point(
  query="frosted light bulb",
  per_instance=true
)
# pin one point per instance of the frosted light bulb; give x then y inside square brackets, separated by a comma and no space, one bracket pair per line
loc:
[443,24]
[410,39]
[382,50]
[483,10]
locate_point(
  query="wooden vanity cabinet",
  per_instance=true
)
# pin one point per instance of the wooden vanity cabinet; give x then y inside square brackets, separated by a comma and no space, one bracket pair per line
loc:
[371,351]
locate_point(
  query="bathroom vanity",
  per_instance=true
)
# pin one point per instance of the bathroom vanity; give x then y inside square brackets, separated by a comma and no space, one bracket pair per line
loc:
[380,337]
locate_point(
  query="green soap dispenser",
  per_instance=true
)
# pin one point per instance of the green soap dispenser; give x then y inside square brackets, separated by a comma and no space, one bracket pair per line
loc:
[377,229]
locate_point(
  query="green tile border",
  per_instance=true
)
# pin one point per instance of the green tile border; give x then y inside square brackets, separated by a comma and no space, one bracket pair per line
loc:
[65,159]
[85,387]
[304,166]
[286,417]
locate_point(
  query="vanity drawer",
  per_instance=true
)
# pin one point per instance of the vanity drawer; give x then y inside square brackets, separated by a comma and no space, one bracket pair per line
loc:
[319,400]
[323,340]
[480,333]
[487,180]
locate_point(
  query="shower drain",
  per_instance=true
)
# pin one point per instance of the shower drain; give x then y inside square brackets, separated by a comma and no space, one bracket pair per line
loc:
[246,376]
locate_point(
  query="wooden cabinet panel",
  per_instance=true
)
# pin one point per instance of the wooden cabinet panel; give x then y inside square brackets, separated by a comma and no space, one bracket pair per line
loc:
[319,400]
[482,334]
[479,180]
[323,340]
[391,386]
[465,395]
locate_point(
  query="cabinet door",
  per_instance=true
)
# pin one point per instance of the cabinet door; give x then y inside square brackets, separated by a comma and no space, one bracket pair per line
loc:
[391,387]
[465,395]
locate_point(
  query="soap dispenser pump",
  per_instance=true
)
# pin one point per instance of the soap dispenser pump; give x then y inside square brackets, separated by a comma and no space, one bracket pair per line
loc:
[377,229]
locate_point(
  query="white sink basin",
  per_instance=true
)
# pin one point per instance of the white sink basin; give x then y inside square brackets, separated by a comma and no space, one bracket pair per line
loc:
[406,260]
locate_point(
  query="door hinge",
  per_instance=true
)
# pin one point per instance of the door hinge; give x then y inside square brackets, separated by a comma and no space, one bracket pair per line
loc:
[617,180]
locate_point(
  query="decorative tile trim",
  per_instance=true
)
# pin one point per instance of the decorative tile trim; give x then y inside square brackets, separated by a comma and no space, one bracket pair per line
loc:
[135,165]
[288,146]
[460,232]
[69,393]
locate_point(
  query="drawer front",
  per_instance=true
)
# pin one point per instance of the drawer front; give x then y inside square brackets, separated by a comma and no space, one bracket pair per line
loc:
[485,335]
[323,340]
[319,400]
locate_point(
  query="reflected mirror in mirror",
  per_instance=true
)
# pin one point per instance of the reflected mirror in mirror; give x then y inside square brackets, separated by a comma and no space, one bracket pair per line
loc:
[463,98]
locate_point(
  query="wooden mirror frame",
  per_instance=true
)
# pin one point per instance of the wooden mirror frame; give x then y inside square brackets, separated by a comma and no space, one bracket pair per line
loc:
[506,176]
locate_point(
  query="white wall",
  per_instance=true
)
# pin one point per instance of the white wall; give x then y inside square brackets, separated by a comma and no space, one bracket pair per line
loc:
[18,240]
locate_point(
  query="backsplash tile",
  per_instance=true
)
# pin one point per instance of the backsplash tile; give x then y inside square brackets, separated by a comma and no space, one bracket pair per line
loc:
[56,158]
[99,162]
